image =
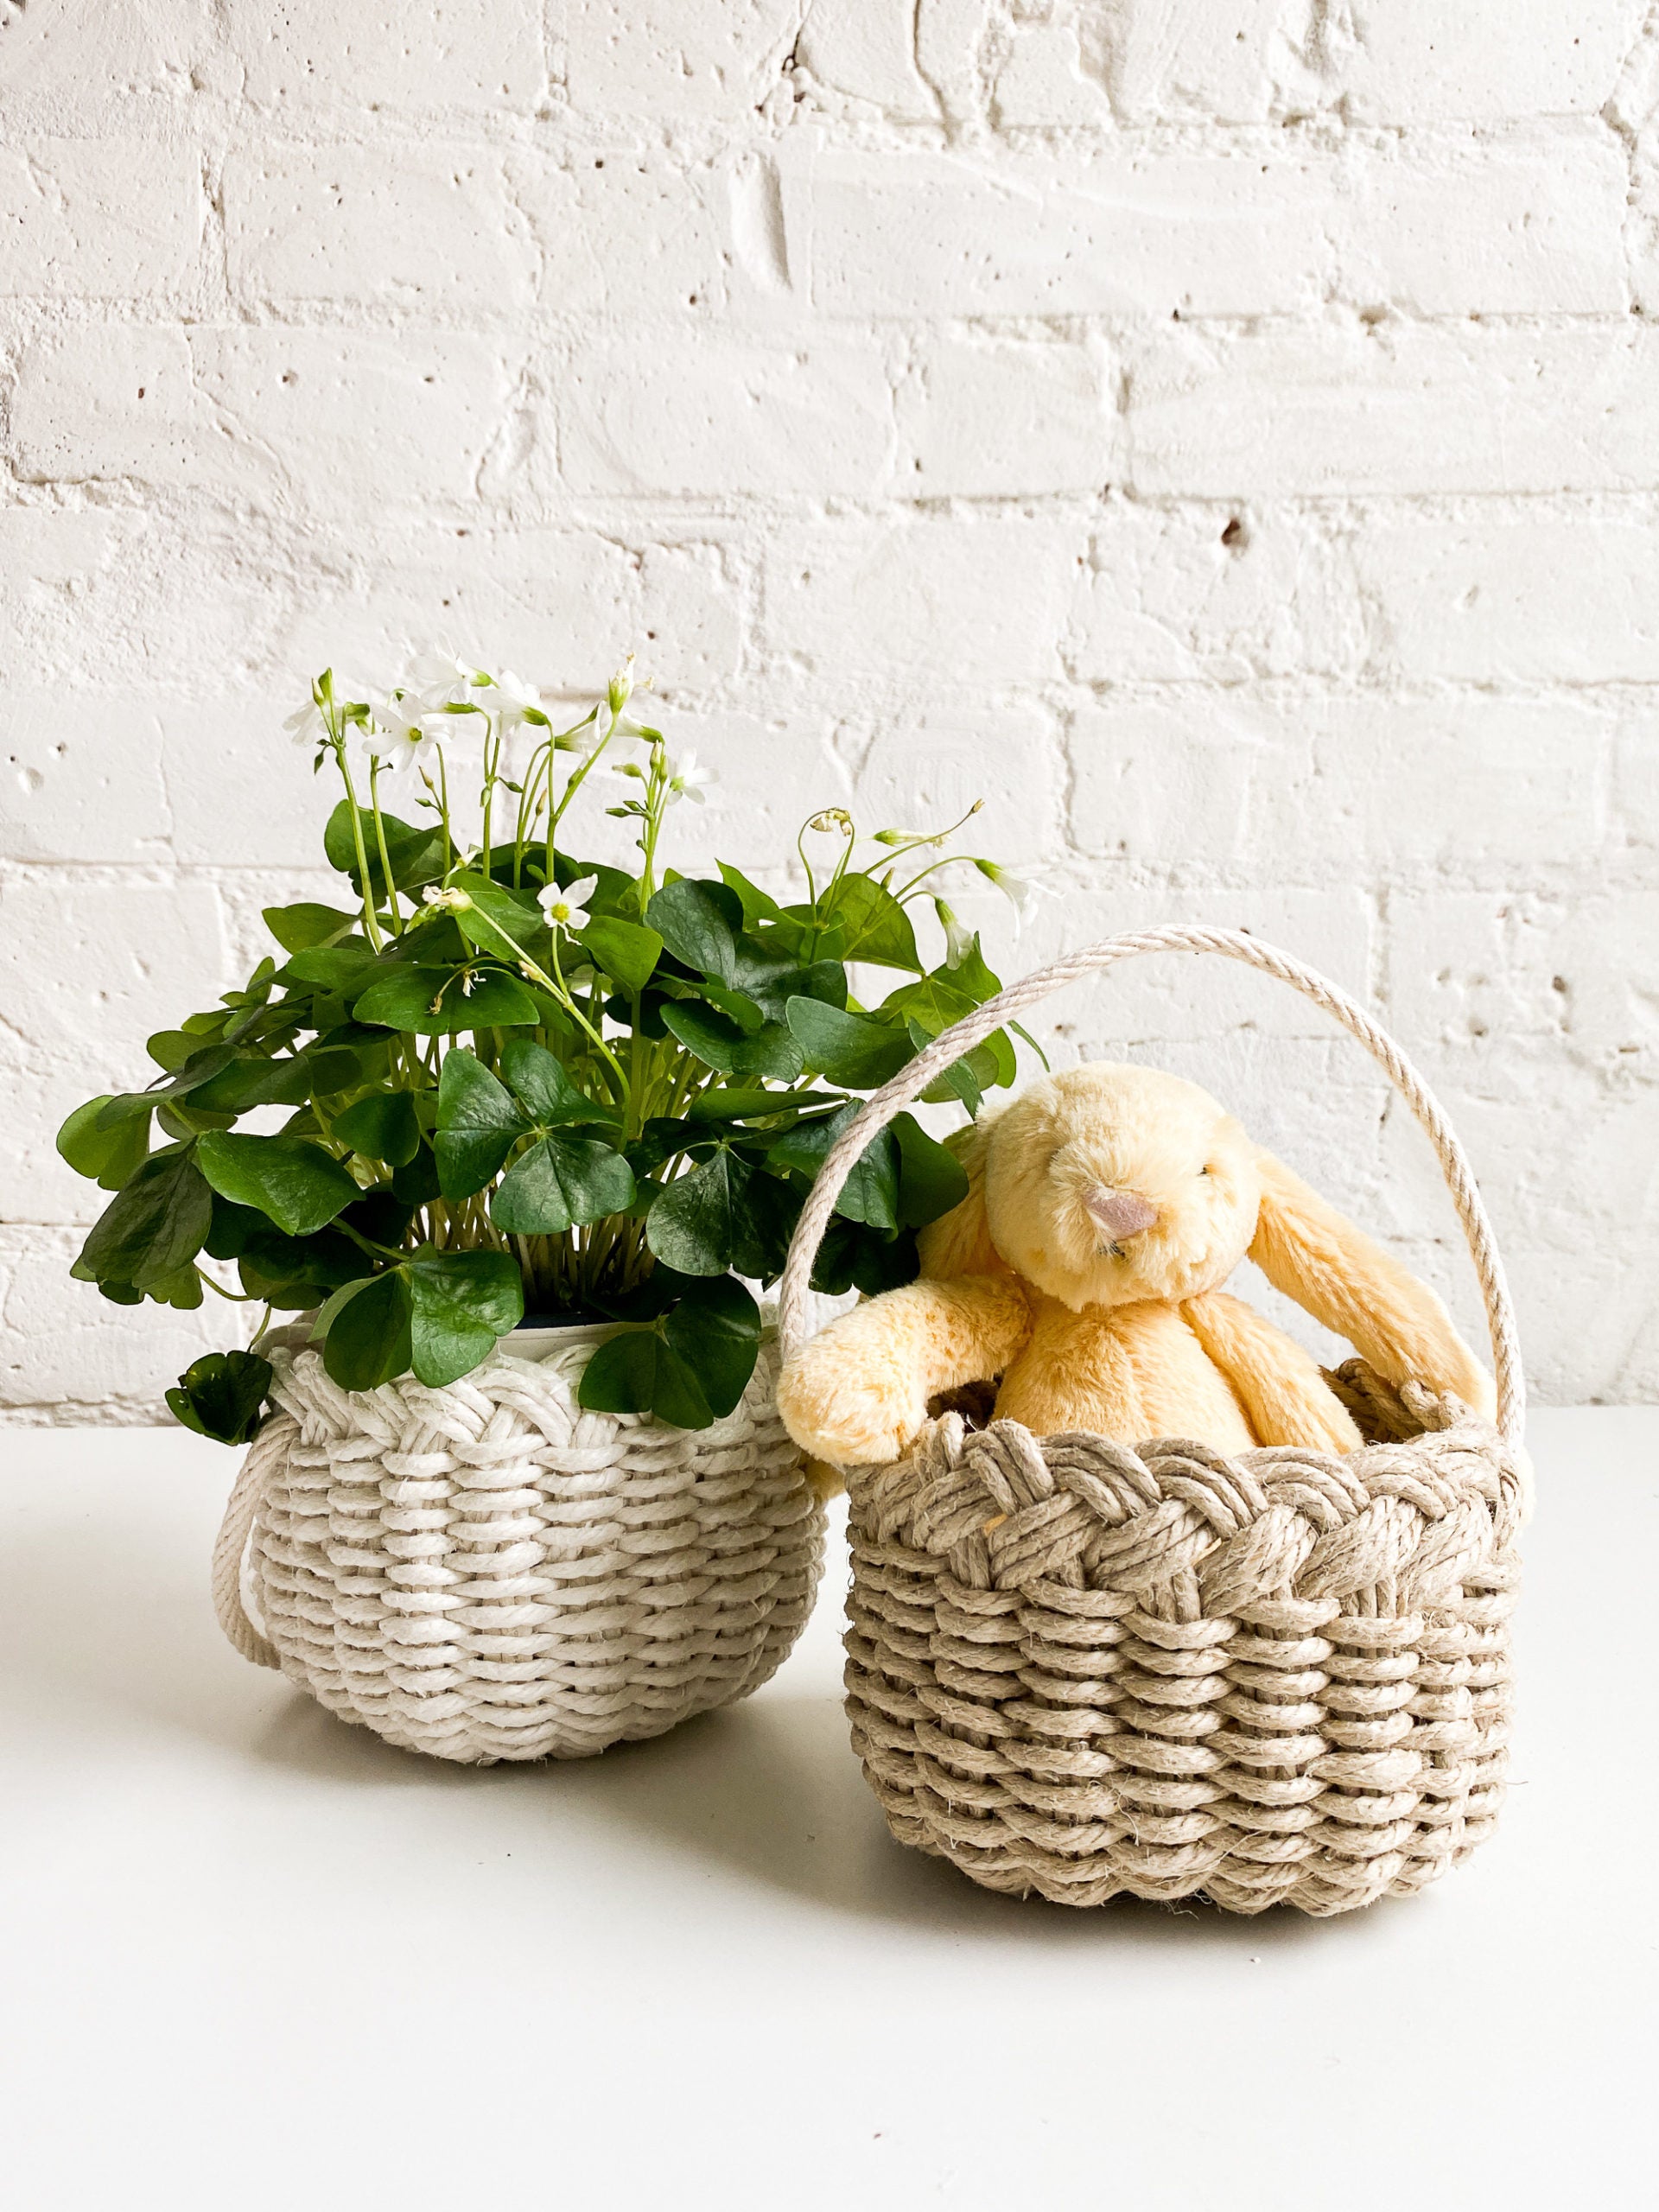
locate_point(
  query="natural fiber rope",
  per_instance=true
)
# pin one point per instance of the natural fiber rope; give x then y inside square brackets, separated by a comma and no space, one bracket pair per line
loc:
[1080,1669]
[488,1572]
[1234,945]
[1281,1678]
[231,1548]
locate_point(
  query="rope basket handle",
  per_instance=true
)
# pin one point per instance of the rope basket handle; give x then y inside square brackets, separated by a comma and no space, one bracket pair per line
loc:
[1175,937]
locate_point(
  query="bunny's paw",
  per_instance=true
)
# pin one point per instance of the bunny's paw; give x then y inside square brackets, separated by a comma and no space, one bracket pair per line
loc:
[837,1409]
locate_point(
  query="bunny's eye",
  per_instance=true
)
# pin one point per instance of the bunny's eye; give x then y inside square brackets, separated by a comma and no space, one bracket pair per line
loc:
[1204,1170]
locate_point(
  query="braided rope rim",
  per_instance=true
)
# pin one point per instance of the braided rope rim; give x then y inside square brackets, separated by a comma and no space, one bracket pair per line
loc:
[1174,936]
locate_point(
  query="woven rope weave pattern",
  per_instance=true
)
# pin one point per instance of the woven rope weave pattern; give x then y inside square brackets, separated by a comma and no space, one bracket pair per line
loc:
[487,1572]
[1079,1669]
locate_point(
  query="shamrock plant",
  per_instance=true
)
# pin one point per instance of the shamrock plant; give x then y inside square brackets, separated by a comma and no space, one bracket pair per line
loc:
[499,1078]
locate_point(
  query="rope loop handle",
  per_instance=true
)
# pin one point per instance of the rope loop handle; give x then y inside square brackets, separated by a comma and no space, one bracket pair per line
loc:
[231,1548]
[1175,937]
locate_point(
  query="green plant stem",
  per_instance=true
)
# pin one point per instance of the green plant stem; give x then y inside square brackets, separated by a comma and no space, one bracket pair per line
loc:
[947,860]
[656,807]
[231,1297]
[916,844]
[549,856]
[562,992]
[811,881]
[443,806]
[372,927]
[380,840]
[366,1243]
[527,1263]
[526,801]
[555,814]
[841,865]
[637,1041]
[491,761]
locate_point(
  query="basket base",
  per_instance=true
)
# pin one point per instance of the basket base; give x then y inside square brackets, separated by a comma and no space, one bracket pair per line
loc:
[565,1720]
[1320,1886]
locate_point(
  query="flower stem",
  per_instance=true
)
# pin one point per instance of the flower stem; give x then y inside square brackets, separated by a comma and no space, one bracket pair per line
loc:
[371,927]
[521,828]
[555,814]
[380,840]
[562,991]
[949,860]
[548,865]
[491,758]
[656,807]
[443,803]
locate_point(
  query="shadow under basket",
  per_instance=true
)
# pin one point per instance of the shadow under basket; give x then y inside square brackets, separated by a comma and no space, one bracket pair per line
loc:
[1081,1670]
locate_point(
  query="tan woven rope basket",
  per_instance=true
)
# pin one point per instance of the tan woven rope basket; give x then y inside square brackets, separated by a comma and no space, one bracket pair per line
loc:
[1081,1669]
[487,1572]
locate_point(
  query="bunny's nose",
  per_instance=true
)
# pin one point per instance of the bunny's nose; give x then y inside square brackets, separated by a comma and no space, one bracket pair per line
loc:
[1120,1213]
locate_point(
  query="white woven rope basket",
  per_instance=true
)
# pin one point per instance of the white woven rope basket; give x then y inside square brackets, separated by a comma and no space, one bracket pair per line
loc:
[487,1572]
[1080,1669]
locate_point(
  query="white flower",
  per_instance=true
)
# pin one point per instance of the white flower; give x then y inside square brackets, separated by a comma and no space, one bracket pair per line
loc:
[621,687]
[905,838]
[436,680]
[958,938]
[685,781]
[437,690]
[583,740]
[307,727]
[510,699]
[403,727]
[1021,892]
[567,909]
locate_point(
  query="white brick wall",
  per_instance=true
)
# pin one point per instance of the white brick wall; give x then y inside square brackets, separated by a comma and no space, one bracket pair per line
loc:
[1227,437]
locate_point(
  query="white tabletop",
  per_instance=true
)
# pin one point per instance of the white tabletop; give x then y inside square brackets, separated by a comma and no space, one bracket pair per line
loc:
[253,1958]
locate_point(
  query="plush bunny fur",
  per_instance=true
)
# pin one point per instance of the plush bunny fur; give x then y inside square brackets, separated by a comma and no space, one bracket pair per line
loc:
[1106,1207]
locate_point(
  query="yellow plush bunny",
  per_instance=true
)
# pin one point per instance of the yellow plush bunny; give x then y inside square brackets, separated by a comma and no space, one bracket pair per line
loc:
[1106,1207]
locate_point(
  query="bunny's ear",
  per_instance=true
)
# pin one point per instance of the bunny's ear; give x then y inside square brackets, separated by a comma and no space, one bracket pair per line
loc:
[959,1243]
[1336,1272]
